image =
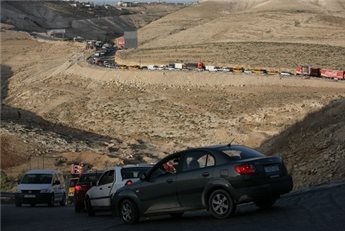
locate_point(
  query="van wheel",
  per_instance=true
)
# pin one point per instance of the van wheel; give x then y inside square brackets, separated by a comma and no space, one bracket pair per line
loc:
[18,204]
[63,201]
[89,209]
[129,212]
[220,204]
[51,203]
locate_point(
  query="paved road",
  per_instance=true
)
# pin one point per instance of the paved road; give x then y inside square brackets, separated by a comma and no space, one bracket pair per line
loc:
[322,209]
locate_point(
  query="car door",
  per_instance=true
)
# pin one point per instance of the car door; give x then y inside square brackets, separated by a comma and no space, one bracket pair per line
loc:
[196,171]
[158,192]
[100,195]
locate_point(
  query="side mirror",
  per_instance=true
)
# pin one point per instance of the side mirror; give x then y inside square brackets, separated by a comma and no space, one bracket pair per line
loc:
[57,182]
[18,181]
[143,177]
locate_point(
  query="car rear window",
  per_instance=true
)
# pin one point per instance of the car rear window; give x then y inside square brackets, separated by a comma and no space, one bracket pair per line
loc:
[37,179]
[89,178]
[240,152]
[134,172]
[73,182]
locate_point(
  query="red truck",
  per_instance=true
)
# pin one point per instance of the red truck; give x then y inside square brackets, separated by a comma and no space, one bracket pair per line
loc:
[332,74]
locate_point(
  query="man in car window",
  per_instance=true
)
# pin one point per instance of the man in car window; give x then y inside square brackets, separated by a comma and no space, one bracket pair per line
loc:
[170,166]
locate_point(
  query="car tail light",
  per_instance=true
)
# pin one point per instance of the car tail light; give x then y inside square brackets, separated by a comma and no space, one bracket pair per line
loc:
[244,169]
[77,188]
[129,182]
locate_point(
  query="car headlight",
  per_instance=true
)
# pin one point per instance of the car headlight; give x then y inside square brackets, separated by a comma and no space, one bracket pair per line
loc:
[45,190]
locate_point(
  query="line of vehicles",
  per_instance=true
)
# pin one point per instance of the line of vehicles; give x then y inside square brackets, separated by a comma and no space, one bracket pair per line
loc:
[215,178]
[104,57]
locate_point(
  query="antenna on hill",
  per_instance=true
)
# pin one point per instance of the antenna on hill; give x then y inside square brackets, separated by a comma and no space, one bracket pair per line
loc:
[229,144]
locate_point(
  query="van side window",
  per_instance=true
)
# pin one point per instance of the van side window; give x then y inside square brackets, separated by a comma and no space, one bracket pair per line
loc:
[61,179]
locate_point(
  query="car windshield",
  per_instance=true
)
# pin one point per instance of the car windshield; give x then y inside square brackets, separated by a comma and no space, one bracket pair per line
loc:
[134,172]
[37,179]
[73,182]
[240,152]
[89,178]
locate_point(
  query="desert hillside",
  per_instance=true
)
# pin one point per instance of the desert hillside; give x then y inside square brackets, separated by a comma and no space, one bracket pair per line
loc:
[253,31]
[59,110]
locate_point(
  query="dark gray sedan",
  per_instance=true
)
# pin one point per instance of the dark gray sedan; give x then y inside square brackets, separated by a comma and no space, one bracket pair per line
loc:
[216,178]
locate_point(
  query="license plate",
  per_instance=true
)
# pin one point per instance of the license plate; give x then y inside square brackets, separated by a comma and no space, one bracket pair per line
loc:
[272,168]
[70,194]
[29,196]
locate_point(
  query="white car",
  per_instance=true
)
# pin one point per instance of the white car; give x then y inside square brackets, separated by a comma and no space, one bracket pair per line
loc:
[41,186]
[98,197]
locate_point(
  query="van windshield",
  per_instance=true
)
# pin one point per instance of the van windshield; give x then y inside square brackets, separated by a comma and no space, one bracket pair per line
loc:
[37,179]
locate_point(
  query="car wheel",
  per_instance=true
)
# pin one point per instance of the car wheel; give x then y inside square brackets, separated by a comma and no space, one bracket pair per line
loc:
[18,204]
[63,201]
[265,203]
[220,204]
[52,201]
[77,208]
[89,208]
[176,215]
[129,212]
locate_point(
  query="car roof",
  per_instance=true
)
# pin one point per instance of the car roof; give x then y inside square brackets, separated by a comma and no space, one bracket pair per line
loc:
[130,166]
[42,171]
[137,165]
[219,147]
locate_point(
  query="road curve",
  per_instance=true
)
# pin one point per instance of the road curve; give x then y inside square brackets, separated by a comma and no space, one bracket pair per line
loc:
[321,209]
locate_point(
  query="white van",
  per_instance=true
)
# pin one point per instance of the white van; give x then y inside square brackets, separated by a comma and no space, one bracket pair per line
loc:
[41,186]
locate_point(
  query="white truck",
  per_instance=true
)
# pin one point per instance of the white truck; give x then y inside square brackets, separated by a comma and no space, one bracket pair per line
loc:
[179,66]
[152,67]
[98,197]
[211,68]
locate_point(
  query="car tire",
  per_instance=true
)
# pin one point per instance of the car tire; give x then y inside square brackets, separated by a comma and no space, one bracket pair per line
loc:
[129,212]
[176,215]
[51,202]
[77,208]
[265,203]
[63,201]
[220,204]
[89,208]
[18,204]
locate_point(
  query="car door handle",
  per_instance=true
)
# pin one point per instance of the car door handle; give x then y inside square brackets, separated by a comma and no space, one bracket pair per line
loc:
[100,188]
[205,174]
[109,186]
[170,181]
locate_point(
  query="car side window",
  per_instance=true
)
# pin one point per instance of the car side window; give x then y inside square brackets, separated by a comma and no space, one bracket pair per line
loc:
[197,160]
[108,177]
[169,167]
